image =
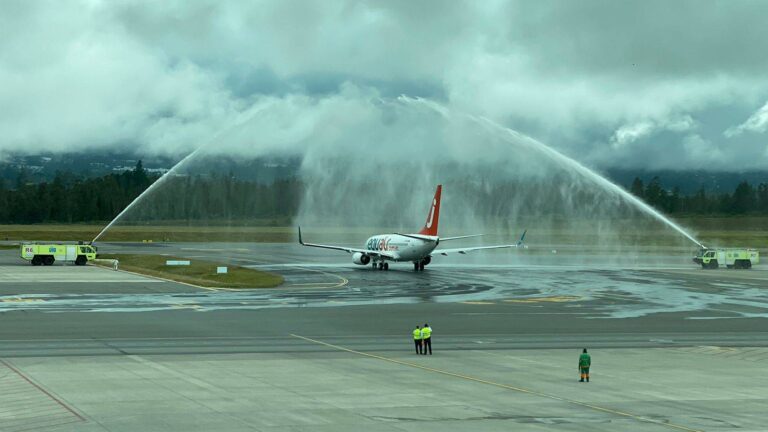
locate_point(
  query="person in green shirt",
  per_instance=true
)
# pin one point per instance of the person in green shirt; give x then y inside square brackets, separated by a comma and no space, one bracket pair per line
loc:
[417,339]
[585,361]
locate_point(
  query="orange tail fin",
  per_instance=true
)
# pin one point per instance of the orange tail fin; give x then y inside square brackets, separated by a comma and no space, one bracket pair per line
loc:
[430,227]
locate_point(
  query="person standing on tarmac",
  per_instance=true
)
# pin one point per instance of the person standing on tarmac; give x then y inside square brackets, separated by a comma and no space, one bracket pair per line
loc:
[585,361]
[426,337]
[417,339]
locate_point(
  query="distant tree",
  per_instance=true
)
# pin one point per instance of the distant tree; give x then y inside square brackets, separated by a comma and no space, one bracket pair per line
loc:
[654,194]
[743,200]
[637,188]
[674,203]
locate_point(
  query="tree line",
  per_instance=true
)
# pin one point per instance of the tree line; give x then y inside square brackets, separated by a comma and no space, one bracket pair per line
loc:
[223,198]
[745,199]
[68,199]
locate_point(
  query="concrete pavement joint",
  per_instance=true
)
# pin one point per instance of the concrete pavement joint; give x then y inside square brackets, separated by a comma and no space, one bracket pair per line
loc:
[44,391]
[505,386]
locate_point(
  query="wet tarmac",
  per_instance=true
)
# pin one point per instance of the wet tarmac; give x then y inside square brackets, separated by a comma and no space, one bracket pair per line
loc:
[329,281]
[675,347]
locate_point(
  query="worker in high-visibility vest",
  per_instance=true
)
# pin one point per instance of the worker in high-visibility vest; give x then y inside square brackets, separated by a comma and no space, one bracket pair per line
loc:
[426,339]
[417,339]
[585,361]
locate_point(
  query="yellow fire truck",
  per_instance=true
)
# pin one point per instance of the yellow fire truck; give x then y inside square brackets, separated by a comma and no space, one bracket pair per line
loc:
[731,258]
[47,254]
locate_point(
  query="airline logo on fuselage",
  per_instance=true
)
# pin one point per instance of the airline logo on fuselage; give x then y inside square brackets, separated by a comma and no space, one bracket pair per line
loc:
[380,244]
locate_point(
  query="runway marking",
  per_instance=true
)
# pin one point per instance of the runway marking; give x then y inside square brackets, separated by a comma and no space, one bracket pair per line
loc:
[21,300]
[342,280]
[186,306]
[505,386]
[552,299]
[477,302]
[162,279]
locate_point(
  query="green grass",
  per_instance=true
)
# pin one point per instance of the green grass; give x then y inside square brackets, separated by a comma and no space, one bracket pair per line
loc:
[200,273]
[9,246]
[86,232]
[746,231]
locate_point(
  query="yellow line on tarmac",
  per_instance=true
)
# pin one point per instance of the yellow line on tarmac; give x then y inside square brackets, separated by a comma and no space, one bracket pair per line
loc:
[170,280]
[21,300]
[342,280]
[505,386]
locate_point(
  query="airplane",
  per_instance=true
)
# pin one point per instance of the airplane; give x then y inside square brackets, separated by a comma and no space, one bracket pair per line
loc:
[416,248]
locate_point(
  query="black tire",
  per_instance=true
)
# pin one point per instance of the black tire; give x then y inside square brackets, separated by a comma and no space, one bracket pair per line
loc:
[415,266]
[386,266]
[81,260]
[713,264]
[421,266]
[36,260]
[49,260]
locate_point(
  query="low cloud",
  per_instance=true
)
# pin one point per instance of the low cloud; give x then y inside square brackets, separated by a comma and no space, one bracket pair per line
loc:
[590,78]
[630,133]
[757,122]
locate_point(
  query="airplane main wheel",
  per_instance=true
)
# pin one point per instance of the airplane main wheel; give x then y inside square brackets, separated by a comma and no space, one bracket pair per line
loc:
[421,266]
[386,266]
[415,266]
[381,266]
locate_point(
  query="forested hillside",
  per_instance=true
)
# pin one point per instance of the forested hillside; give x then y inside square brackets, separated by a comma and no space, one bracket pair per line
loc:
[68,199]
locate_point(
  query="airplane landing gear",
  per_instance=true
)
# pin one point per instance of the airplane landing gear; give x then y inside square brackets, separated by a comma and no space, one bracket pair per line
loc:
[383,266]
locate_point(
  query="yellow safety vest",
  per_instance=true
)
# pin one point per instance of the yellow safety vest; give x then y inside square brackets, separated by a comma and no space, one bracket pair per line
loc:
[417,334]
[426,332]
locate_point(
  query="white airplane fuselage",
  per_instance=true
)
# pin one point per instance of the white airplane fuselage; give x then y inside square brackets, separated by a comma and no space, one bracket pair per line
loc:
[416,248]
[402,247]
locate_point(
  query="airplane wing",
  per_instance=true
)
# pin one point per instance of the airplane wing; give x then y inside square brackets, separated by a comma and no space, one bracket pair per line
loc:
[463,251]
[470,249]
[460,237]
[379,254]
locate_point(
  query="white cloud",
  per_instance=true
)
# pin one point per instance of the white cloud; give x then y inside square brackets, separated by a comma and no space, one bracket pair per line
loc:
[166,77]
[757,122]
[630,133]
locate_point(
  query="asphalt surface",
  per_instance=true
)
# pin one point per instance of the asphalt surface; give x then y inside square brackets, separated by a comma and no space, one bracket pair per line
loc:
[326,295]
[676,347]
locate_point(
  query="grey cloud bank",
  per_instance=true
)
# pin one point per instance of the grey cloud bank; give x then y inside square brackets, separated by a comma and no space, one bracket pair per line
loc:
[629,84]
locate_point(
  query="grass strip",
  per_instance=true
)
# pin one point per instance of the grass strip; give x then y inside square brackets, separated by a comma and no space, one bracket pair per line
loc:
[200,273]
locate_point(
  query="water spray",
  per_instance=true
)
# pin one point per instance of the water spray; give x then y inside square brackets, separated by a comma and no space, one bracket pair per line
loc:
[167,175]
[564,161]
[148,190]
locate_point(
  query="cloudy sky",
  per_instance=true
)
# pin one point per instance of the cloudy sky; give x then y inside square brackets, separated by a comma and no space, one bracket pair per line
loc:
[646,84]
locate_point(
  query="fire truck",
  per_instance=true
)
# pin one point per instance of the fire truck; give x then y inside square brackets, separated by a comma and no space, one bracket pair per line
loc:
[48,253]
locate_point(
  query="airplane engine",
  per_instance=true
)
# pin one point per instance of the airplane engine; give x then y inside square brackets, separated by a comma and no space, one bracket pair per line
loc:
[360,258]
[427,260]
